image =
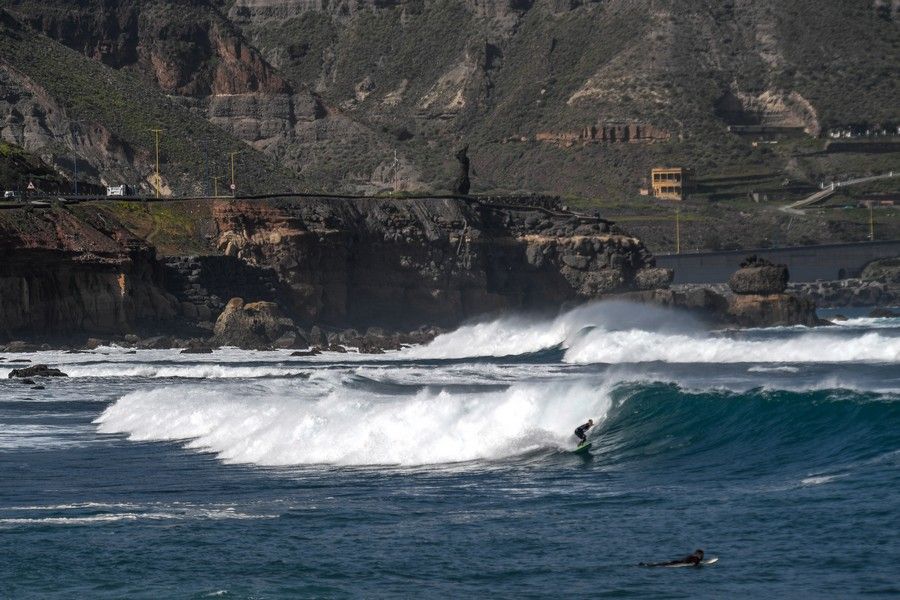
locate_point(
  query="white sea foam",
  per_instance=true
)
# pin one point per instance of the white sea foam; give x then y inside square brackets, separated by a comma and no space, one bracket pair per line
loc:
[131,516]
[285,426]
[780,369]
[184,371]
[821,479]
[600,346]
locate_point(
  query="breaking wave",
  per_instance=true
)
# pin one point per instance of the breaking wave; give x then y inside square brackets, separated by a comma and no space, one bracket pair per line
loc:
[330,422]
[618,332]
[277,425]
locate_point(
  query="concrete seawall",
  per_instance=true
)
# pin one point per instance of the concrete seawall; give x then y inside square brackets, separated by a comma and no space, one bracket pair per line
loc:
[806,263]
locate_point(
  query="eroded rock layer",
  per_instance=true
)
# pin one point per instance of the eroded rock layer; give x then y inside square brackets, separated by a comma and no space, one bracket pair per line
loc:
[62,274]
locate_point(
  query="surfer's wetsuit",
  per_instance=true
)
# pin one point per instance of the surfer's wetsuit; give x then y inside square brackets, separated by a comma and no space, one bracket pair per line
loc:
[580,432]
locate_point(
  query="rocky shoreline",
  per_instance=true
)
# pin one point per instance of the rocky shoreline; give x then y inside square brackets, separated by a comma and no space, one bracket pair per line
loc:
[330,274]
[878,285]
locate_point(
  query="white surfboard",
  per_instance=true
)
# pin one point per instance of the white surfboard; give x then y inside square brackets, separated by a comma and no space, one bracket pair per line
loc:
[708,561]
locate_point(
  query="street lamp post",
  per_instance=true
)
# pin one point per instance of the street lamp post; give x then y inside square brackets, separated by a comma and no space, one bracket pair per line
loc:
[233,182]
[677,231]
[216,185]
[75,152]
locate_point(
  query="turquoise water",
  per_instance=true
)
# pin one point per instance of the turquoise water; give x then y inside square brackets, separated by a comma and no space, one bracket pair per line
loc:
[445,470]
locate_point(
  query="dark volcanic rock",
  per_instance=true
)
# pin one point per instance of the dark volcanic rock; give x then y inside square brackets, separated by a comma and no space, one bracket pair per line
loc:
[772,310]
[36,371]
[886,270]
[883,313]
[403,263]
[759,276]
[197,347]
[310,352]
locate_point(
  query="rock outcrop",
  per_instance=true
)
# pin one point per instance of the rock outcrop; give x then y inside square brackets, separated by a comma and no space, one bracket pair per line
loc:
[759,299]
[256,326]
[406,263]
[759,276]
[772,310]
[36,371]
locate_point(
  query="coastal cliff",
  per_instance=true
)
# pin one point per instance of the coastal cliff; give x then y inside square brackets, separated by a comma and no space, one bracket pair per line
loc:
[407,263]
[329,267]
[64,273]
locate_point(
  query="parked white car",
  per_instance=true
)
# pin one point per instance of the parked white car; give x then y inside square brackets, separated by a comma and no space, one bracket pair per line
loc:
[117,190]
[8,194]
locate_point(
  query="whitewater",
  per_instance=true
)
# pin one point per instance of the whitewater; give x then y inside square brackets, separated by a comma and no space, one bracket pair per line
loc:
[261,469]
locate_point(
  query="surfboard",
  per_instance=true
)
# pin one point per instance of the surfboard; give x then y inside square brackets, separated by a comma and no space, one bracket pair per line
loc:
[583,448]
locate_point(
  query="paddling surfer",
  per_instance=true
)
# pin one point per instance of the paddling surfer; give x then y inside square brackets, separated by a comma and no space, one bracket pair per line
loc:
[579,432]
[692,559]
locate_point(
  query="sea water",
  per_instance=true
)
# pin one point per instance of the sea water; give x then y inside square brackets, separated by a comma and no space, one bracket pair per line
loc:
[445,470]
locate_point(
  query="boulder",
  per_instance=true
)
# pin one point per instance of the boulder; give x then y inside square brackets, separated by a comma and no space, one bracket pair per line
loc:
[159,342]
[20,346]
[36,371]
[759,277]
[770,310]
[885,270]
[883,313]
[253,326]
[197,347]
[310,352]
[653,278]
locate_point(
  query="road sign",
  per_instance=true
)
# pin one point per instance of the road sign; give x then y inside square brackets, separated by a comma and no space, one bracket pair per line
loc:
[233,187]
[31,186]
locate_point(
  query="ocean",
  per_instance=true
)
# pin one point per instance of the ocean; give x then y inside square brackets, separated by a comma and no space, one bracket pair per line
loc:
[445,470]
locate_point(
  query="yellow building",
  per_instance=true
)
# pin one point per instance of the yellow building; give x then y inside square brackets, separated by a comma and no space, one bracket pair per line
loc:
[669,183]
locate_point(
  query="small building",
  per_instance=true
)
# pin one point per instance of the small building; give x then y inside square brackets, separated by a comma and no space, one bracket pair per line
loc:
[118,190]
[669,183]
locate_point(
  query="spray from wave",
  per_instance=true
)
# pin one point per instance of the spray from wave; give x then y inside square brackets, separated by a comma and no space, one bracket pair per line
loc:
[619,332]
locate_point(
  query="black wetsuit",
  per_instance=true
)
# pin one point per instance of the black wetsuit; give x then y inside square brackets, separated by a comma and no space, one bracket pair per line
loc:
[580,432]
[693,559]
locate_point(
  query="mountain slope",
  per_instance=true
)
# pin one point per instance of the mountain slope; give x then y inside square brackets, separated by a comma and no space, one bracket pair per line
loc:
[56,103]
[568,96]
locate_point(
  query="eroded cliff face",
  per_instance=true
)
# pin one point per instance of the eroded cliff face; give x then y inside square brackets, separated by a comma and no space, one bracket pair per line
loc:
[405,263]
[65,274]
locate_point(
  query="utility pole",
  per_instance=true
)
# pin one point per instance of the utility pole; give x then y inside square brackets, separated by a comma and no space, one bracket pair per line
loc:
[158,181]
[677,231]
[871,222]
[216,185]
[233,183]
[206,160]
[74,152]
